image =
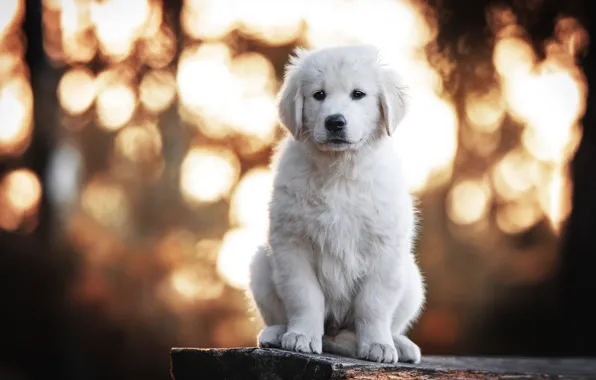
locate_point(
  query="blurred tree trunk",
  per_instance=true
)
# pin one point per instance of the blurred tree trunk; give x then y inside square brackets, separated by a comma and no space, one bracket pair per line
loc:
[45,105]
[578,267]
[33,278]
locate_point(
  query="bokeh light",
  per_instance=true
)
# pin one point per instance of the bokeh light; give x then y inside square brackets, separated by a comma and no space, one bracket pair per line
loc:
[22,189]
[433,165]
[250,202]
[159,49]
[77,90]
[197,282]
[486,111]
[12,12]
[283,28]
[208,175]
[518,216]
[115,106]
[16,106]
[208,19]
[237,249]
[20,195]
[204,78]
[513,174]
[139,143]
[468,201]
[106,202]
[118,24]
[157,90]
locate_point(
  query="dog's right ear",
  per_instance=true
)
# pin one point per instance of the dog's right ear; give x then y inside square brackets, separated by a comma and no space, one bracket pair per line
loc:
[393,98]
[291,99]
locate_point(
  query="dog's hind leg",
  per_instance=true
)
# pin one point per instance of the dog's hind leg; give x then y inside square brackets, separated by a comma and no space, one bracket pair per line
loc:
[407,351]
[406,313]
[266,300]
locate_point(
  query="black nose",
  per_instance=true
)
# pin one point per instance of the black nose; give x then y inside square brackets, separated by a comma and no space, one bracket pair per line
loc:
[335,123]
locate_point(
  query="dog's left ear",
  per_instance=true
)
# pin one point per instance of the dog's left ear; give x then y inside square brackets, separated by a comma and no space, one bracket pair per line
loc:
[392,98]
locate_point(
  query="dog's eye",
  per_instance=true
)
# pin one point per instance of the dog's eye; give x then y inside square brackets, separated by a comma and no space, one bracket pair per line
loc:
[357,94]
[319,95]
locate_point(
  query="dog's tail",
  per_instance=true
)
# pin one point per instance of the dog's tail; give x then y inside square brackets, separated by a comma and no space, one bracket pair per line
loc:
[343,344]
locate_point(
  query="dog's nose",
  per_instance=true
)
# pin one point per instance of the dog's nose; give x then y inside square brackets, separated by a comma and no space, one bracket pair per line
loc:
[335,123]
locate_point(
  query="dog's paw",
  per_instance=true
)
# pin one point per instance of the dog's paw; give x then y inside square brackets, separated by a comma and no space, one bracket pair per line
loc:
[293,341]
[270,336]
[407,350]
[378,352]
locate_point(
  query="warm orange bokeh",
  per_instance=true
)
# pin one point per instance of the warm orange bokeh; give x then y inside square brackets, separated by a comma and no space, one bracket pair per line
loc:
[20,195]
[225,98]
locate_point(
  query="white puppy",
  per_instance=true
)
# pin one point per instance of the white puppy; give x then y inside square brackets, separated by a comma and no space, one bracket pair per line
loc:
[338,273]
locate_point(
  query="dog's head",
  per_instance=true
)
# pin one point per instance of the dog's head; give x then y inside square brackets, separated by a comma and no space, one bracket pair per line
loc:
[339,98]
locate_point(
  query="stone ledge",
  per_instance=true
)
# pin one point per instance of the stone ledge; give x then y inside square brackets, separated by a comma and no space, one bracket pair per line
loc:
[271,364]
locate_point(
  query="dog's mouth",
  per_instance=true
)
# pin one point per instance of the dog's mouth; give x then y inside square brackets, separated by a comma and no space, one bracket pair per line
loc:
[338,145]
[338,141]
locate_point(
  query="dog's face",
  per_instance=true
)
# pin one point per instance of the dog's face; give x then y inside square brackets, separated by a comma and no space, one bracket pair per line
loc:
[340,98]
[340,102]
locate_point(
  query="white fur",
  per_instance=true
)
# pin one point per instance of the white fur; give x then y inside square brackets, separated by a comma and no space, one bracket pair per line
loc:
[338,273]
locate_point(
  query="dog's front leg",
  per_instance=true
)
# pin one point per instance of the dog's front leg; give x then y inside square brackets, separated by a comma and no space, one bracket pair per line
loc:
[302,296]
[373,310]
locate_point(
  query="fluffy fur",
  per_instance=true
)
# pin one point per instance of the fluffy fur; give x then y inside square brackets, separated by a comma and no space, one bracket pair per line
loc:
[338,273]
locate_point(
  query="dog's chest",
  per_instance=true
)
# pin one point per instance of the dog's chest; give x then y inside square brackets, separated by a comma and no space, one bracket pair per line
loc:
[341,219]
[344,231]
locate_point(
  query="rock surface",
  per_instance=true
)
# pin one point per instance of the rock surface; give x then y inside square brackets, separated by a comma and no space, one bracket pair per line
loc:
[271,364]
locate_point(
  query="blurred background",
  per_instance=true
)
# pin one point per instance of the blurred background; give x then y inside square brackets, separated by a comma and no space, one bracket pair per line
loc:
[135,139]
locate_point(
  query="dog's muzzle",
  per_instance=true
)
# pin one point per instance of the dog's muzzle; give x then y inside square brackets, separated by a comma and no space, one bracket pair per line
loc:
[336,129]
